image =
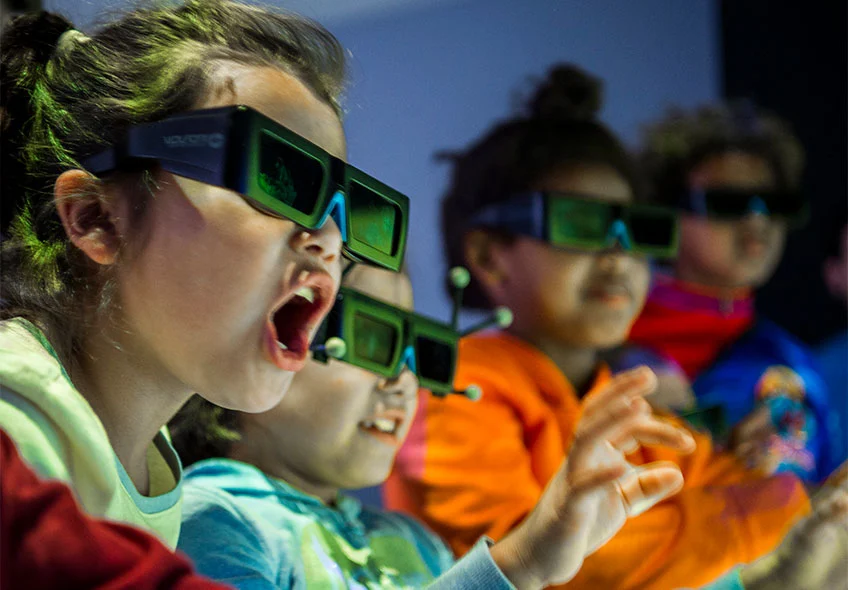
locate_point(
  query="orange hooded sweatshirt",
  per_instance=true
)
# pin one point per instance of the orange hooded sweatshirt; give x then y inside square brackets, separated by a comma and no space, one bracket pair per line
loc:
[470,469]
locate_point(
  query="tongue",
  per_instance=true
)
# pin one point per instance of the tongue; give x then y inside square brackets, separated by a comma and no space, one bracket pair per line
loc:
[290,323]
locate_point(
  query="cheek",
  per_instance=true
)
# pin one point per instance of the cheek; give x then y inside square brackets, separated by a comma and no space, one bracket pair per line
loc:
[336,396]
[564,279]
[777,238]
[318,414]
[216,258]
[705,239]
[641,275]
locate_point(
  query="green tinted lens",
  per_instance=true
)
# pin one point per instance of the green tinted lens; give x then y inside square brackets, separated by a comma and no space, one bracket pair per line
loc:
[578,223]
[290,177]
[374,339]
[653,232]
[374,220]
[435,362]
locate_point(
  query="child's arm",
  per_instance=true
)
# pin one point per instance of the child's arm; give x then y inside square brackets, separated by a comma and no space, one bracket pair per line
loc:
[592,494]
[483,463]
[724,516]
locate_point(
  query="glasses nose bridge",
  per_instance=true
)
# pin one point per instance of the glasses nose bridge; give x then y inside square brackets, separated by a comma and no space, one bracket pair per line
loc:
[619,234]
[337,210]
[397,384]
[756,206]
[407,358]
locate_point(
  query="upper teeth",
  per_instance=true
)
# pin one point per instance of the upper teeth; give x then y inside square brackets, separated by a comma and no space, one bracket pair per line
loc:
[384,425]
[307,293]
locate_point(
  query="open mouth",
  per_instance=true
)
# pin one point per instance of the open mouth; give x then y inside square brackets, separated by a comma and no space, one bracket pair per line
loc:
[289,327]
[384,426]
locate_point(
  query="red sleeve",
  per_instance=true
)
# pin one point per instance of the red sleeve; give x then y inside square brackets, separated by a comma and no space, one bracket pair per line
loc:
[47,542]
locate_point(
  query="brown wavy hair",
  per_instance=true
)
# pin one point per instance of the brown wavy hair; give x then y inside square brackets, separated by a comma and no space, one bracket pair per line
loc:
[65,94]
[674,145]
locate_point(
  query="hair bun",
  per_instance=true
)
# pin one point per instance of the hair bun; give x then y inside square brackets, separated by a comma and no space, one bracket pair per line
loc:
[35,36]
[568,93]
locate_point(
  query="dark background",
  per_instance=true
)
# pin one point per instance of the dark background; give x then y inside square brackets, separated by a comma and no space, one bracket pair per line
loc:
[792,57]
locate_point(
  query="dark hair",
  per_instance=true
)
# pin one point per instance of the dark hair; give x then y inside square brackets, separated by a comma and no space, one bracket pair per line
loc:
[678,143]
[560,128]
[64,94]
[201,430]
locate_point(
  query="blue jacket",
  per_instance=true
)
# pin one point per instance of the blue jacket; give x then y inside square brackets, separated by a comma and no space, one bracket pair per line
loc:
[769,366]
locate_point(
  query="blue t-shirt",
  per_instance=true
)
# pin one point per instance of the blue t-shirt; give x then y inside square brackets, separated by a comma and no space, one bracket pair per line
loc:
[252,531]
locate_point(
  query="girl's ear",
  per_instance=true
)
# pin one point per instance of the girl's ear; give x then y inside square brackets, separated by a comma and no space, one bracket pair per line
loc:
[88,216]
[483,254]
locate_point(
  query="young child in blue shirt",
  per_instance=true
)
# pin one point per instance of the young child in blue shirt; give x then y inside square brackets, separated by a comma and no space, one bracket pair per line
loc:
[268,511]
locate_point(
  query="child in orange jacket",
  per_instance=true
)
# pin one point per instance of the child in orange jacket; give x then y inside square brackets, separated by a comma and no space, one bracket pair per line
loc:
[542,211]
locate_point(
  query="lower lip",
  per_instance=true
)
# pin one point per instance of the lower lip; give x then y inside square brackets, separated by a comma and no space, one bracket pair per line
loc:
[287,360]
[384,437]
[610,299]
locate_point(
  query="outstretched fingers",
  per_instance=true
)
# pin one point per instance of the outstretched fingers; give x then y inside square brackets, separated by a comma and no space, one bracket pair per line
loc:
[625,427]
[590,481]
[637,382]
[646,485]
[654,431]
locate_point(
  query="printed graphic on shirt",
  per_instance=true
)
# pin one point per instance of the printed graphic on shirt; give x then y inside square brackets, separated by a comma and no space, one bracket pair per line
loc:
[783,392]
[330,561]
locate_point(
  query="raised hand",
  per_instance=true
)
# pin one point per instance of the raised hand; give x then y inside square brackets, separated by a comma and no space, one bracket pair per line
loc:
[596,488]
[815,552]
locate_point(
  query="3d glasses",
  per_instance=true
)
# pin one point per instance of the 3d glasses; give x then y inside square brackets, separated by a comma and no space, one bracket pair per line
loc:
[727,204]
[580,222]
[275,170]
[381,338]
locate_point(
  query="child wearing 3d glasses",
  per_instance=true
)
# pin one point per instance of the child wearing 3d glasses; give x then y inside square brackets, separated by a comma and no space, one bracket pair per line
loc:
[181,212]
[545,212]
[267,512]
[733,172]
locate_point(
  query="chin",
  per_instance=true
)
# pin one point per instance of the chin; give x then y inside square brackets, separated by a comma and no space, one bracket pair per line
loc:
[368,478]
[254,399]
[748,278]
[609,338]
